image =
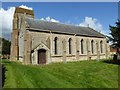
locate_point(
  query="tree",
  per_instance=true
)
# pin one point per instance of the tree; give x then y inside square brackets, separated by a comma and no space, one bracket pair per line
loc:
[5,46]
[115,35]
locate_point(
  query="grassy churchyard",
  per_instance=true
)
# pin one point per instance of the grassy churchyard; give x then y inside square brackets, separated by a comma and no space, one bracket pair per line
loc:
[82,74]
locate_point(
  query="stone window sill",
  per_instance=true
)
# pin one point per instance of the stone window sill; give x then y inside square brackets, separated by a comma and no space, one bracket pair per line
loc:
[102,53]
[56,55]
[70,55]
[94,54]
[83,54]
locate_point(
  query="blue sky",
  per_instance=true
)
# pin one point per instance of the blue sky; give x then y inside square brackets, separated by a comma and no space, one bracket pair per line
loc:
[106,13]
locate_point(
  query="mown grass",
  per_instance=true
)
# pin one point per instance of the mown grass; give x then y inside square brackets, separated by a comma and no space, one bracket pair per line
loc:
[84,74]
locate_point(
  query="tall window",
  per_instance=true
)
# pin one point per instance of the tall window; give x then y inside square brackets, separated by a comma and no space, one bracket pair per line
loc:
[55,45]
[69,41]
[92,50]
[101,46]
[82,48]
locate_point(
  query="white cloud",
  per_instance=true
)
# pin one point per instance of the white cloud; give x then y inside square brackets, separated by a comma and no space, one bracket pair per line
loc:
[50,19]
[24,6]
[93,23]
[6,17]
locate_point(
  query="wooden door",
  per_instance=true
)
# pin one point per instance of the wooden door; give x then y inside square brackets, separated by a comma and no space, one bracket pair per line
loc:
[41,56]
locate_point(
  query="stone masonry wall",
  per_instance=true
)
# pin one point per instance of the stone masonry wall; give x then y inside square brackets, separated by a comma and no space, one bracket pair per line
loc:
[63,46]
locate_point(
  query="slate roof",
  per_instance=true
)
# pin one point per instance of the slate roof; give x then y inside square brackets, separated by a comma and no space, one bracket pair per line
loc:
[61,28]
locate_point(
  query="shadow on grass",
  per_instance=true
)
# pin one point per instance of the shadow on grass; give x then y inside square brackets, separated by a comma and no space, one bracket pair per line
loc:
[3,74]
[117,62]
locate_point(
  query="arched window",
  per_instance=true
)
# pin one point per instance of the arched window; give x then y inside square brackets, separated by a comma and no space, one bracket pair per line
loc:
[55,45]
[101,46]
[92,50]
[69,41]
[82,48]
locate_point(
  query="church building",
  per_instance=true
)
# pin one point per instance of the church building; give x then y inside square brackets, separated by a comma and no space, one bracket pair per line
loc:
[37,41]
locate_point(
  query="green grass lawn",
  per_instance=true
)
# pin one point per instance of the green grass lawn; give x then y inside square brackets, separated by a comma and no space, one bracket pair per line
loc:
[84,74]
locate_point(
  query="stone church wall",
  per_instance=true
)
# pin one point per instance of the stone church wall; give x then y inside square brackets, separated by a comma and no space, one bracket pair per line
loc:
[38,37]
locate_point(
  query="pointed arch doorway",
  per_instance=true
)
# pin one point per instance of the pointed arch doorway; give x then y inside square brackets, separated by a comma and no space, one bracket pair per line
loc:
[41,56]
